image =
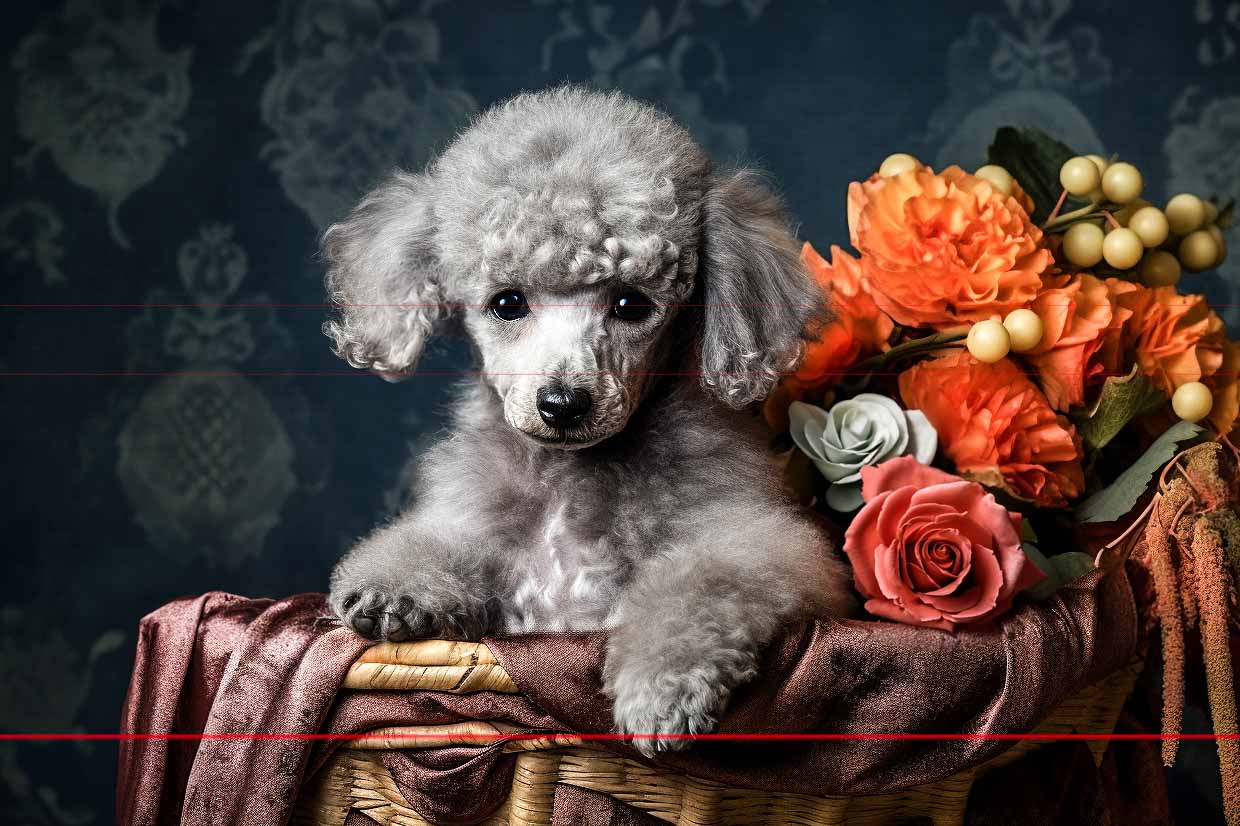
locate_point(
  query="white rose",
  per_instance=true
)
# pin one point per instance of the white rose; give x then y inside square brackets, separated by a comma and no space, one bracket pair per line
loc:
[864,430]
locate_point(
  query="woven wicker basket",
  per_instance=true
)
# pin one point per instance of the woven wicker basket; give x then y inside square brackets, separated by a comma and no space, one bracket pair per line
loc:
[355,780]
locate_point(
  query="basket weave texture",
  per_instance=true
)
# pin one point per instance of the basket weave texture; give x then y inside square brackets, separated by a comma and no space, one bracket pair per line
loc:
[354,780]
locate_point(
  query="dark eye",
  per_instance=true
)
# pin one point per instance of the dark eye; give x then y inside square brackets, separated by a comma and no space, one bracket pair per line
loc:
[509,305]
[632,306]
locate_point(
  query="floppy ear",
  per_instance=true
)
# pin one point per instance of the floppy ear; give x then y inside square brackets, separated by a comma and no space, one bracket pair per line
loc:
[384,278]
[761,304]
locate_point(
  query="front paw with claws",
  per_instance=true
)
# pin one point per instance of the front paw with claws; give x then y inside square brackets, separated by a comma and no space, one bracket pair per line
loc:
[379,613]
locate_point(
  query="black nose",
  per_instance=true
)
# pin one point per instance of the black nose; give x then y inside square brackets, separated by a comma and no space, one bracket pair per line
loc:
[563,407]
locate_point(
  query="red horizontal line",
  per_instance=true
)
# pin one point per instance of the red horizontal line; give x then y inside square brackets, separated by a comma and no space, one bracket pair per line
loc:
[449,305]
[441,373]
[280,306]
[611,737]
[359,372]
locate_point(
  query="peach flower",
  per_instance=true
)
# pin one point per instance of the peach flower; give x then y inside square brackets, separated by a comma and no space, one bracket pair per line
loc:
[997,427]
[1113,354]
[931,549]
[857,327]
[938,250]
[1226,390]
[1174,338]
[1077,313]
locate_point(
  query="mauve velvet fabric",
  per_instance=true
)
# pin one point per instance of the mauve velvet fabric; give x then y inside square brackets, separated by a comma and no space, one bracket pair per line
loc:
[222,664]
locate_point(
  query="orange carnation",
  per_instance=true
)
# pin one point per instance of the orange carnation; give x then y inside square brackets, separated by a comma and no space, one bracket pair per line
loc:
[1226,390]
[997,427]
[1079,318]
[938,250]
[1174,338]
[857,327]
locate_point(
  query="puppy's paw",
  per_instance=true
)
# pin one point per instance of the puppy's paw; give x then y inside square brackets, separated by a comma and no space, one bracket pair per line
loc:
[660,710]
[378,613]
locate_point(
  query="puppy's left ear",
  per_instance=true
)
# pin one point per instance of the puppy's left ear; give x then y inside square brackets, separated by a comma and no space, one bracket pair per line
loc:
[761,304]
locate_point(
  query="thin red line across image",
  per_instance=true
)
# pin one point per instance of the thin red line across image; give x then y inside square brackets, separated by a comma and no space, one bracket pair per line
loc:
[13,374]
[452,305]
[611,737]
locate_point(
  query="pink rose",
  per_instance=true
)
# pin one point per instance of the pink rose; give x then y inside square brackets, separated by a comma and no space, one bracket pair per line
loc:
[929,548]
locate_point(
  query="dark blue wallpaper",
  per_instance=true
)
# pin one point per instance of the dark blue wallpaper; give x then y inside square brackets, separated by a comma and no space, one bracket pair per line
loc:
[173,420]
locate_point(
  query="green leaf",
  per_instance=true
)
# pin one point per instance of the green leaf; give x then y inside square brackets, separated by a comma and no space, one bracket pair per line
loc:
[1033,158]
[1059,569]
[1122,399]
[1119,497]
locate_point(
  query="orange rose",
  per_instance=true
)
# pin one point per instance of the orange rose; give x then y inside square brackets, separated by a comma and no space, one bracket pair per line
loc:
[997,426]
[857,327]
[938,250]
[1076,313]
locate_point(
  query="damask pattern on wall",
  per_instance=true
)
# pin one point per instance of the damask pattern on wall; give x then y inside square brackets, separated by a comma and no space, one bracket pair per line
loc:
[1203,155]
[174,420]
[1027,62]
[203,458]
[98,93]
[357,90]
[648,51]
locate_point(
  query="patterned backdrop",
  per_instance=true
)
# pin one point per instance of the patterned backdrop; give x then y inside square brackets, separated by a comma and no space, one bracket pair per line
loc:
[176,160]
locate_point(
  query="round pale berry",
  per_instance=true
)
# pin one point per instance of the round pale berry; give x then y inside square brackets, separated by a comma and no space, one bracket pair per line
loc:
[1079,175]
[1192,401]
[1024,329]
[1122,248]
[1221,240]
[1185,213]
[1198,251]
[1124,213]
[1150,225]
[996,176]
[1122,183]
[988,341]
[1159,268]
[897,163]
[1082,244]
[1102,163]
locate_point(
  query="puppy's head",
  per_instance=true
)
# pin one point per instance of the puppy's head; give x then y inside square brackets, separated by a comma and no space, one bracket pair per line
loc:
[571,229]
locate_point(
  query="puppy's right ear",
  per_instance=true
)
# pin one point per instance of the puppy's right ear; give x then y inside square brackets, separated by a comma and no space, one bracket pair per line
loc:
[384,277]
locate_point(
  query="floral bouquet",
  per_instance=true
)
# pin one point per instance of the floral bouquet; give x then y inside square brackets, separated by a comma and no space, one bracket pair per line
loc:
[1011,366]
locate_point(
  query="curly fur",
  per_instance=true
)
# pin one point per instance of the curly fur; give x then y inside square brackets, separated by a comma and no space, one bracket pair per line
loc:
[665,522]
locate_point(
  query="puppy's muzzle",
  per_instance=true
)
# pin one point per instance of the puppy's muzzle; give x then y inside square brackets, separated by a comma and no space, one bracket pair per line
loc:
[563,408]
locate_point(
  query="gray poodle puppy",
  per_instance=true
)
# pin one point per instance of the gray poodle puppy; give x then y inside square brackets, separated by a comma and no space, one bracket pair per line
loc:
[626,299]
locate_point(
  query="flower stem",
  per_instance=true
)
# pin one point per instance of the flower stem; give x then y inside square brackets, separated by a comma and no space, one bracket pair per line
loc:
[908,349]
[1063,196]
[1085,212]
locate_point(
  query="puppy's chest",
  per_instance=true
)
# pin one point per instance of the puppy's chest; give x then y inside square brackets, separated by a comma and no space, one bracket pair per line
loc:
[562,581]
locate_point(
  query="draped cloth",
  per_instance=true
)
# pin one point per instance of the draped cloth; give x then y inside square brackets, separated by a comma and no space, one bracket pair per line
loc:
[229,667]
